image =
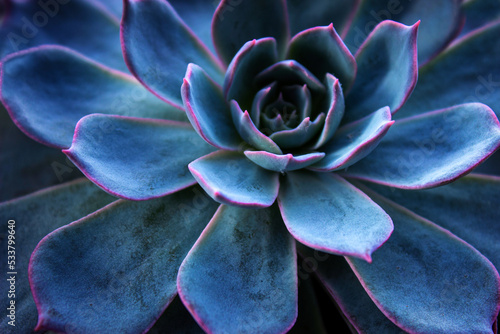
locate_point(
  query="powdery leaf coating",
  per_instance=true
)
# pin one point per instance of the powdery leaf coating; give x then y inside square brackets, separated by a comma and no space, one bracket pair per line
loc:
[454,288]
[35,216]
[387,70]
[230,178]
[207,109]
[119,261]
[151,30]
[467,207]
[255,291]
[349,221]
[50,115]
[432,149]
[135,158]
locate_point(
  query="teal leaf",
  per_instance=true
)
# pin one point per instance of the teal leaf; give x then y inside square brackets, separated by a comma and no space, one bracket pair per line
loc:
[134,158]
[239,18]
[467,207]
[307,14]
[335,111]
[120,262]
[322,51]
[442,20]
[432,149]
[230,178]
[387,70]
[354,141]
[251,59]
[442,285]
[78,87]
[158,46]
[479,13]
[35,216]
[35,23]
[249,132]
[207,109]
[468,71]
[349,221]
[241,275]
[283,162]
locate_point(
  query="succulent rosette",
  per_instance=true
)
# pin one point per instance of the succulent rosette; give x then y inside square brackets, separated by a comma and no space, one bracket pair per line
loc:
[234,148]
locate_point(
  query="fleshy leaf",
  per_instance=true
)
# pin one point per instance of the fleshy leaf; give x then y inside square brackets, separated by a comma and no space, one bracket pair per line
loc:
[467,207]
[50,115]
[313,13]
[239,18]
[387,70]
[34,23]
[230,178]
[249,132]
[207,109]
[285,162]
[468,71]
[349,221]
[250,60]
[135,158]
[300,135]
[158,46]
[255,291]
[300,97]
[341,283]
[322,51]
[121,261]
[354,141]
[198,16]
[35,216]
[441,22]
[289,72]
[263,97]
[21,158]
[454,289]
[334,101]
[432,149]
[479,13]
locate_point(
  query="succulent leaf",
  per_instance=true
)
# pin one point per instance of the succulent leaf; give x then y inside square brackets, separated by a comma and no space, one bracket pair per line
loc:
[284,162]
[467,207]
[289,72]
[240,18]
[249,132]
[126,156]
[468,71]
[298,136]
[354,141]
[255,291]
[432,149]
[387,70]
[207,109]
[313,13]
[100,40]
[334,111]
[50,115]
[441,272]
[250,60]
[322,51]
[442,20]
[119,261]
[479,13]
[34,215]
[151,32]
[230,178]
[349,221]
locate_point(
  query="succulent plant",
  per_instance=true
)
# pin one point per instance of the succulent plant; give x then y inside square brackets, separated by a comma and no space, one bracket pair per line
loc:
[233,149]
